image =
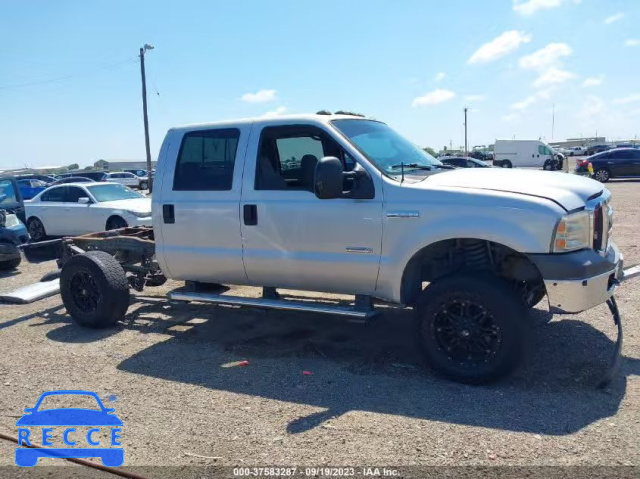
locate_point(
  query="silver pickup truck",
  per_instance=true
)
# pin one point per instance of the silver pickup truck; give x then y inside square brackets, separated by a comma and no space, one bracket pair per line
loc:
[344,204]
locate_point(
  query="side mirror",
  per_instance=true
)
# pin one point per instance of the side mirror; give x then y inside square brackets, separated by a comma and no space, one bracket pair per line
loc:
[84,200]
[328,178]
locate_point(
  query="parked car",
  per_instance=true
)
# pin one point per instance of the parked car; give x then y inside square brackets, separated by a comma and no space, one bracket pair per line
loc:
[80,208]
[139,173]
[30,188]
[47,179]
[12,230]
[615,163]
[92,175]
[577,151]
[127,179]
[463,162]
[72,179]
[563,151]
[490,246]
[481,155]
[593,149]
[525,153]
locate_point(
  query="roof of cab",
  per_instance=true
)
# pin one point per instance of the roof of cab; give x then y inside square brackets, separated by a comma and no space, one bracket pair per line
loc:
[271,120]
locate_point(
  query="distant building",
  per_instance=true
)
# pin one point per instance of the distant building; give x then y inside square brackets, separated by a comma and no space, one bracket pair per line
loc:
[570,142]
[118,165]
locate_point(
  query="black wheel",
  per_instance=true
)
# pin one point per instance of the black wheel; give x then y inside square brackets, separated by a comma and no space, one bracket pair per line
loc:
[471,328]
[115,223]
[36,229]
[602,175]
[94,289]
[11,264]
[507,164]
[548,166]
[144,185]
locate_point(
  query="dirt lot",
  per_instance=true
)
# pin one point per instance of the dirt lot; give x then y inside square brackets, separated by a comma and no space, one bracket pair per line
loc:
[171,376]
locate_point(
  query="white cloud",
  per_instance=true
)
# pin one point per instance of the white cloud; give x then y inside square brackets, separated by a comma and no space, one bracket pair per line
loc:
[434,97]
[545,57]
[553,76]
[511,117]
[627,99]
[593,81]
[440,76]
[531,6]
[261,96]
[591,107]
[500,46]
[614,18]
[632,42]
[524,104]
[281,110]
[474,98]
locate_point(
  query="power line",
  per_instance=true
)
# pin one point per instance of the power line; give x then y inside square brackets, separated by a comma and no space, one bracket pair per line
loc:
[66,77]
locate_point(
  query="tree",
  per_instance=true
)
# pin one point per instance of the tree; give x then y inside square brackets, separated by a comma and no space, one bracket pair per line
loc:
[73,166]
[430,150]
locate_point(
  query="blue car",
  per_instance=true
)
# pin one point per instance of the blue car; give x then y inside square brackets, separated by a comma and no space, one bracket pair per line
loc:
[110,456]
[30,188]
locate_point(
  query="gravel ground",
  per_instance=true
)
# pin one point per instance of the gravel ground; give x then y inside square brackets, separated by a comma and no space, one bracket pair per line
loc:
[172,373]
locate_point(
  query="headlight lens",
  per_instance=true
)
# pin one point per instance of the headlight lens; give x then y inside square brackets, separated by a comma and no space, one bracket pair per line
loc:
[139,214]
[572,233]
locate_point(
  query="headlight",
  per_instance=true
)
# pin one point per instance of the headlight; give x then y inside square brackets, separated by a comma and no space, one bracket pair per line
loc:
[572,233]
[139,214]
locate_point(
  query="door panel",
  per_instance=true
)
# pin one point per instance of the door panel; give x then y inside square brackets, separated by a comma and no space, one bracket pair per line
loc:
[199,215]
[621,163]
[293,239]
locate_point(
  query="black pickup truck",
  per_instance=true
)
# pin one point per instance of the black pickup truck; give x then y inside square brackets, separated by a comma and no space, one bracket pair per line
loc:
[12,230]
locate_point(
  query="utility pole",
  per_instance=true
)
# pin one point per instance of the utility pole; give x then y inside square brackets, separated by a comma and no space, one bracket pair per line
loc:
[144,113]
[466,145]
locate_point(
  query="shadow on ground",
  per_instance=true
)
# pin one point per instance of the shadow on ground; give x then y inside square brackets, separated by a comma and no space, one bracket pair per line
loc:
[372,367]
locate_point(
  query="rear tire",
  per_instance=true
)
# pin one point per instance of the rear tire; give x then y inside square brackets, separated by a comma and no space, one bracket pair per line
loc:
[506,164]
[471,328]
[36,229]
[144,185]
[11,264]
[94,289]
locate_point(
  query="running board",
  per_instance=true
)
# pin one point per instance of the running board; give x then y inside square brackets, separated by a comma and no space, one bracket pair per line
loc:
[273,304]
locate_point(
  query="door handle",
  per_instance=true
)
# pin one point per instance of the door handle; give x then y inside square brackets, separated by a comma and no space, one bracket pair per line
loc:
[250,215]
[168,214]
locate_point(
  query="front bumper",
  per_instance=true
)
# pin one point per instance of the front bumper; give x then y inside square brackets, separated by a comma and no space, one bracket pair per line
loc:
[136,221]
[580,280]
[8,252]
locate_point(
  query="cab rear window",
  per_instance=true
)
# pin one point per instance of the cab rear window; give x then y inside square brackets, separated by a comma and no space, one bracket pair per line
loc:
[206,160]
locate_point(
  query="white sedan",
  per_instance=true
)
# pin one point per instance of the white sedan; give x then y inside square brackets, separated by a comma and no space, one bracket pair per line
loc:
[127,179]
[80,208]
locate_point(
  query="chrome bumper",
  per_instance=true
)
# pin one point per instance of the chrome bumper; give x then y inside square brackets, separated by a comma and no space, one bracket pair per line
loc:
[580,294]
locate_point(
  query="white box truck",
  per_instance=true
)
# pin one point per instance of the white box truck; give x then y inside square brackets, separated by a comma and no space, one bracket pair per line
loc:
[526,153]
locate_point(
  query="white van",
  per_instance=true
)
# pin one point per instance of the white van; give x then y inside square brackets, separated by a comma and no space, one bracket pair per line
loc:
[529,153]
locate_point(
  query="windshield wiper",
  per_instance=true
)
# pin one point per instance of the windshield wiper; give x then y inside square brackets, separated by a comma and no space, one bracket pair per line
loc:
[410,165]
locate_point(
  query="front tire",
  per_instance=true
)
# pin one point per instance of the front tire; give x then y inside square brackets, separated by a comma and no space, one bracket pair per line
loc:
[94,289]
[602,175]
[36,229]
[471,328]
[116,223]
[548,166]
[144,185]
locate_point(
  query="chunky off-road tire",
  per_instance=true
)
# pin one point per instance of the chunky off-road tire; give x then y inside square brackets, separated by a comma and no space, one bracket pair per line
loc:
[11,264]
[471,328]
[602,175]
[94,289]
[36,229]
[115,223]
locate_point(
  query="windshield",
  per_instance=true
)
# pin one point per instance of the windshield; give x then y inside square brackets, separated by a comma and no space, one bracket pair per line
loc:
[112,192]
[384,147]
[7,192]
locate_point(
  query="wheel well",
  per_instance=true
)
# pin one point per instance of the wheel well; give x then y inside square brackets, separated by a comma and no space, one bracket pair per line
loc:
[114,217]
[464,254]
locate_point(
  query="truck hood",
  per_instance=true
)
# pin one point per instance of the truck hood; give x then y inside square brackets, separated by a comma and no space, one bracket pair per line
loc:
[139,205]
[567,190]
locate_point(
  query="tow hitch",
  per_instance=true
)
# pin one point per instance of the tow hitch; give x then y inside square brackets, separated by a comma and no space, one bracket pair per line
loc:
[626,275]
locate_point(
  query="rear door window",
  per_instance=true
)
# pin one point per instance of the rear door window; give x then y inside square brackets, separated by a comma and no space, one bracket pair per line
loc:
[206,160]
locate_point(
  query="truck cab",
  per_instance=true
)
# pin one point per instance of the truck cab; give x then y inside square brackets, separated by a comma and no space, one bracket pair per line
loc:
[13,232]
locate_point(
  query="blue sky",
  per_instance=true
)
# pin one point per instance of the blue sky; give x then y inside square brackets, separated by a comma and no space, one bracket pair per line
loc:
[70,83]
